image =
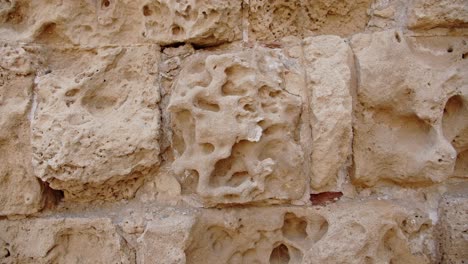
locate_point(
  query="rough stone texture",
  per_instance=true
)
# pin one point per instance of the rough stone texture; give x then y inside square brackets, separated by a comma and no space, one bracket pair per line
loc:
[328,63]
[63,240]
[82,22]
[453,228]
[166,240]
[379,230]
[270,20]
[410,121]
[426,14]
[20,191]
[245,131]
[253,154]
[206,22]
[96,125]
[386,14]
[105,22]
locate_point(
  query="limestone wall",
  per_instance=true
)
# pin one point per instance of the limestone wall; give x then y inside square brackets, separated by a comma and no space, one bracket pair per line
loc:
[240,131]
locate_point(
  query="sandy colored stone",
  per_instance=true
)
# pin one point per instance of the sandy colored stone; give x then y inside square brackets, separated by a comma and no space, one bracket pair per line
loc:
[455,127]
[96,124]
[63,240]
[351,232]
[20,191]
[82,22]
[272,20]
[165,240]
[243,131]
[410,110]
[329,66]
[427,14]
[387,14]
[453,227]
[233,112]
[122,22]
[206,22]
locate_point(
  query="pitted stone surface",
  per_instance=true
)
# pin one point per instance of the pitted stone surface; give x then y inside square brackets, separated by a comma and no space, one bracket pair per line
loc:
[233,112]
[20,191]
[96,125]
[272,20]
[123,22]
[411,121]
[453,228]
[243,131]
[63,240]
[207,22]
[380,231]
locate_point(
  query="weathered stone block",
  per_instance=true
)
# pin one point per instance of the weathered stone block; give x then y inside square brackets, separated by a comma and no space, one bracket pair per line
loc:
[63,240]
[95,128]
[329,66]
[453,226]
[411,107]
[427,14]
[270,20]
[20,191]
[351,232]
[82,22]
[120,22]
[206,22]
[165,240]
[235,128]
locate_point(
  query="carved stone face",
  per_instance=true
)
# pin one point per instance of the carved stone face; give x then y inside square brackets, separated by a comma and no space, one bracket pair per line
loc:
[234,124]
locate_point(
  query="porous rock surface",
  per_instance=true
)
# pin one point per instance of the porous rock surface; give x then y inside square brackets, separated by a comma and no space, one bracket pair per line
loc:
[411,122]
[254,154]
[20,191]
[246,131]
[95,128]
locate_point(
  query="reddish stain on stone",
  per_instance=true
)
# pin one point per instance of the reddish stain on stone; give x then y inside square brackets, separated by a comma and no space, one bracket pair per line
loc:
[325,197]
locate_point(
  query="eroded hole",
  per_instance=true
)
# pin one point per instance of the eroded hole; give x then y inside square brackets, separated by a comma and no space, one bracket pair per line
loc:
[237,72]
[177,30]
[249,108]
[280,255]
[6,253]
[397,37]
[48,28]
[453,116]
[146,11]
[461,164]
[228,89]
[238,178]
[105,3]
[318,227]
[206,105]
[190,181]
[294,228]
[262,124]
[207,148]
[450,50]
[274,94]
[72,92]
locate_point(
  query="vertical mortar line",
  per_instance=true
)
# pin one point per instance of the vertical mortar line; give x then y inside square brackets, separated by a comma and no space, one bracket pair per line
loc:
[305,117]
[355,82]
[245,7]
